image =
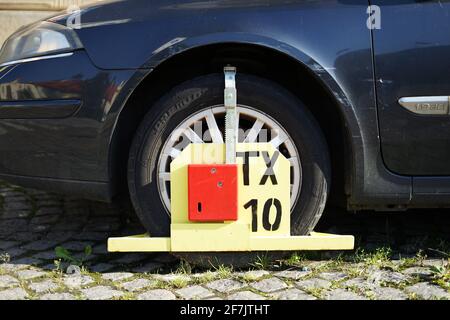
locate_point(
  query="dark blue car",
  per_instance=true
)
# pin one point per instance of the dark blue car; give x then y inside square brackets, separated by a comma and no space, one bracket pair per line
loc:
[355,93]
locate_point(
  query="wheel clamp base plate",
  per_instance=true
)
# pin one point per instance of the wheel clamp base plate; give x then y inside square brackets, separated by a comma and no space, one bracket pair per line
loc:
[315,241]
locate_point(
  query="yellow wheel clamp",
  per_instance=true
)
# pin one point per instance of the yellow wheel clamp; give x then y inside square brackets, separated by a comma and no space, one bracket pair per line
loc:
[230,197]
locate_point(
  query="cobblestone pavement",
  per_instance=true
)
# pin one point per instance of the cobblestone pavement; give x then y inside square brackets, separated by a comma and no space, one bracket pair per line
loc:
[400,256]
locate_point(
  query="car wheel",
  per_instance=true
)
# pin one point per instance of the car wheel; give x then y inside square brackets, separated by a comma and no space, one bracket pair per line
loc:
[262,104]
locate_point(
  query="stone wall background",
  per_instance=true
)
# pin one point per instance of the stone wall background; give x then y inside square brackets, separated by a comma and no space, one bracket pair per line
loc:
[16,13]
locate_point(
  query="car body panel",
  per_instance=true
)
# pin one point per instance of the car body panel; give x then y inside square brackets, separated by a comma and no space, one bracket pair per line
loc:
[63,148]
[412,59]
[39,109]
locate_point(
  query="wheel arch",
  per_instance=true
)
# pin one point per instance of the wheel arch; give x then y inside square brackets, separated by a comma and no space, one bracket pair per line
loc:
[255,55]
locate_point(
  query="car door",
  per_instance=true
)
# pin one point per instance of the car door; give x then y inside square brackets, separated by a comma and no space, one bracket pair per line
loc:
[412,63]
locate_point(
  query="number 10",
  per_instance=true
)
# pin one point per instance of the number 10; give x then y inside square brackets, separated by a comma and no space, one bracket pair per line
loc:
[266,212]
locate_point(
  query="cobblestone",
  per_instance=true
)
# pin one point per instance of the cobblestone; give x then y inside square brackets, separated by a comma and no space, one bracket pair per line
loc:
[138,284]
[7,281]
[342,294]
[434,263]
[27,261]
[358,283]
[157,294]
[130,258]
[313,283]
[12,267]
[225,285]
[43,287]
[385,293]
[294,275]
[420,272]
[58,296]
[387,278]
[428,291]
[101,267]
[101,293]
[41,245]
[7,244]
[333,276]
[14,252]
[76,245]
[293,294]
[29,274]
[246,295]
[77,281]
[13,294]
[194,292]
[117,276]
[45,255]
[269,285]
[32,226]
[172,277]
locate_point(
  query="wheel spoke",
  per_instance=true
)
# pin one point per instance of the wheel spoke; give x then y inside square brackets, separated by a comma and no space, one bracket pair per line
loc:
[293,161]
[163,187]
[279,139]
[254,132]
[174,152]
[192,135]
[296,181]
[237,125]
[213,129]
[164,176]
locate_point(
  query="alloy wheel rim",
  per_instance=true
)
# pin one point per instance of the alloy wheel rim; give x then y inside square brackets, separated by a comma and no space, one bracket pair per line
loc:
[207,126]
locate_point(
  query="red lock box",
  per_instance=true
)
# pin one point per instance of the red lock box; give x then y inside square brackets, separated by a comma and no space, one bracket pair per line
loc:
[213,192]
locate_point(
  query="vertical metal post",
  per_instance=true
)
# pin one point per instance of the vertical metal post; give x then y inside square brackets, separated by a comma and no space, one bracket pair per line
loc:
[230,100]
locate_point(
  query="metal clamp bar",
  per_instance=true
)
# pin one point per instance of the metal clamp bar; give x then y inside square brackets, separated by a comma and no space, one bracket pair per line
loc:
[230,101]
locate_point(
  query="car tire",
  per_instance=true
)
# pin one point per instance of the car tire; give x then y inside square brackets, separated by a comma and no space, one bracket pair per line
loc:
[194,95]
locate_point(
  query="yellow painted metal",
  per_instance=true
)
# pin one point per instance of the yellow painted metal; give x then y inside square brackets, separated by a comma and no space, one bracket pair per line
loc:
[260,225]
[312,242]
[208,237]
[139,243]
[315,241]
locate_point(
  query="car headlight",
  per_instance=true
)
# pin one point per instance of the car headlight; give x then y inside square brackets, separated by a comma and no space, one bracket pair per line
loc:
[41,39]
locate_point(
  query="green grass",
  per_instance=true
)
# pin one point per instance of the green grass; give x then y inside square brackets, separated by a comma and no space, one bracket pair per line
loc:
[179,283]
[184,268]
[412,261]
[262,262]
[354,272]
[206,277]
[316,292]
[379,258]
[441,275]
[223,271]
[296,259]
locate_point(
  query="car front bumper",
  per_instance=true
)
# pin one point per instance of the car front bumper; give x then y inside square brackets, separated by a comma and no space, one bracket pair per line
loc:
[56,123]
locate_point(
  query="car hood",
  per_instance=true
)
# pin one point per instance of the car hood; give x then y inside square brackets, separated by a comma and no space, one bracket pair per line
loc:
[108,29]
[115,11]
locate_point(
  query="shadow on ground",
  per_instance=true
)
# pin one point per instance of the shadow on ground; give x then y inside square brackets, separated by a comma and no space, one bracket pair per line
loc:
[405,232]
